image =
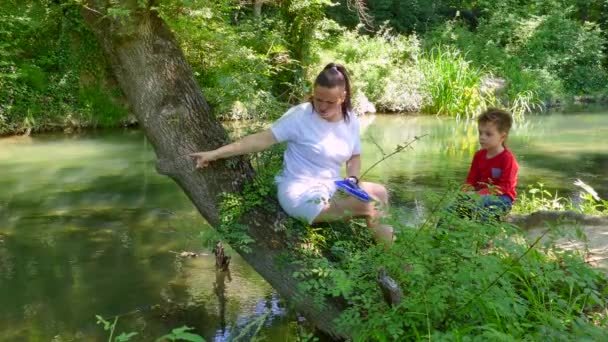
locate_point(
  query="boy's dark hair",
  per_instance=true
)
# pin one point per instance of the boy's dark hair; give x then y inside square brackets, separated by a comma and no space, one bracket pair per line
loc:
[501,118]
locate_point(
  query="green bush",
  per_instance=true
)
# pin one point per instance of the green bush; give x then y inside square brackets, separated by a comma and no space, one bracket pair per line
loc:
[464,281]
[237,66]
[544,52]
[395,74]
[382,67]
[570,50]
[461,280]
[536,198]
[404,16]
[50,68]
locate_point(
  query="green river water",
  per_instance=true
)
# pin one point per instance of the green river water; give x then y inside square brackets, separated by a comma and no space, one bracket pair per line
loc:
[87,227]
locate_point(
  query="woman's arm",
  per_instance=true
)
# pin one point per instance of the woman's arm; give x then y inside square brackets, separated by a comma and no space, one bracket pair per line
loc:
[353,166]
[252,143]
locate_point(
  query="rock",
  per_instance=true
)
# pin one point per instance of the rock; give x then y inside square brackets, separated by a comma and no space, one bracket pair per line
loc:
[493,85]
[392,293]
[362,104]
[543,217]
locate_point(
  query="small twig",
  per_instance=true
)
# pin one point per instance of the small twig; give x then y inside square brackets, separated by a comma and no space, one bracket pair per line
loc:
[92,10]
[139,309]
[399,148]
[428,322]
[113,327]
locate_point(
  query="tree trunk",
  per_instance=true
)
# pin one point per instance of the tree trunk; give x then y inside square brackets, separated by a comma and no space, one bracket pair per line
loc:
[257,8]
[176,119]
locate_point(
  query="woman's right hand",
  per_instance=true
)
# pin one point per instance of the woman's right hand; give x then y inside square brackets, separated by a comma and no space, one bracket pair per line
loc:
[203,158]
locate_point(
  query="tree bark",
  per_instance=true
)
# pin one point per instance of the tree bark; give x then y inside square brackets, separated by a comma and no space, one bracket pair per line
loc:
[175,117]
[257,8]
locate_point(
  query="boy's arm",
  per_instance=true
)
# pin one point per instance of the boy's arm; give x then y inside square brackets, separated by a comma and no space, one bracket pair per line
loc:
[473,176]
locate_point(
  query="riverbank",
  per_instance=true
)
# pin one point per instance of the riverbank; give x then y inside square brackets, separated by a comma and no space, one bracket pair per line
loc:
[363,106]
[583,234]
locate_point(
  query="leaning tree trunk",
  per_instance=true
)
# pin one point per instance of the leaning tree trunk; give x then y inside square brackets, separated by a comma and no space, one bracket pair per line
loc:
[176,119]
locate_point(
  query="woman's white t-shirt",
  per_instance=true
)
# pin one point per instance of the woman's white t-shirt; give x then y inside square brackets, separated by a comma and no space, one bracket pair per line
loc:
[316,151]
[316,148]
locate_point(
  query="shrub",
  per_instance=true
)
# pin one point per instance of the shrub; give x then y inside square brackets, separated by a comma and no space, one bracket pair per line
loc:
[240,67]
[543,52]
[470,281]
[382,67]
[50,70]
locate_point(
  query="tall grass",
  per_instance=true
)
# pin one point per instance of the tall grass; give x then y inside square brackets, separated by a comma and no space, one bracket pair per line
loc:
[452,85]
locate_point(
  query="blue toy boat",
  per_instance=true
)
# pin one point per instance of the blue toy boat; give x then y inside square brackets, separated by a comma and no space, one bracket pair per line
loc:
[353,190]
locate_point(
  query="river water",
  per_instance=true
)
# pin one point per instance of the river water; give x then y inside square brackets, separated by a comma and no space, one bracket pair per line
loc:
[88,228]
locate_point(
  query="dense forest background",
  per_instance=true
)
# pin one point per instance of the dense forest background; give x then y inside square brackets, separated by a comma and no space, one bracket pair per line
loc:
[254,58]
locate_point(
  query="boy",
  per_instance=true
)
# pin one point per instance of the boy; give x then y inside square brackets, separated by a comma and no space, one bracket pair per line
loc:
[493,172]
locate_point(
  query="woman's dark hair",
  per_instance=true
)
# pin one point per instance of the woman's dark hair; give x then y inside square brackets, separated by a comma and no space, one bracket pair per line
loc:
[334,75]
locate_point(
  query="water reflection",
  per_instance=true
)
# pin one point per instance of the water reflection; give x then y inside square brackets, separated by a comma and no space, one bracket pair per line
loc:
[554,150]
[219,288]
[87,226]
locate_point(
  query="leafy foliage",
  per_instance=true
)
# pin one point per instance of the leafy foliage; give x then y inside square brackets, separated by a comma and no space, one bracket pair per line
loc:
[51,70]
[382,67]
[398,75]
[177,334]
[543,49]
[181,334]
[250,66]
[453,85]
[405,16]
[465,280]
[536,197]
[462,279]
[258,194]
[53,74]
[107,326]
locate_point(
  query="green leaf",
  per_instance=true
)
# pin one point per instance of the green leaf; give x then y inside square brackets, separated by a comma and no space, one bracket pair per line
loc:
[181,333]
[125,337]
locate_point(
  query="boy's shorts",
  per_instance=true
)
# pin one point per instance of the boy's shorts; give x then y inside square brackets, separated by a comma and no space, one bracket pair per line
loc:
[483,207]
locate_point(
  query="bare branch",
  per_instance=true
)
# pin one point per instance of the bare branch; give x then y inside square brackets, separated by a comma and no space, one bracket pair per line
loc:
[360,7]
[398,149]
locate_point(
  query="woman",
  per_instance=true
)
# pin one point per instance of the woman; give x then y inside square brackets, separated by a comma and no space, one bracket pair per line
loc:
[321,135]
